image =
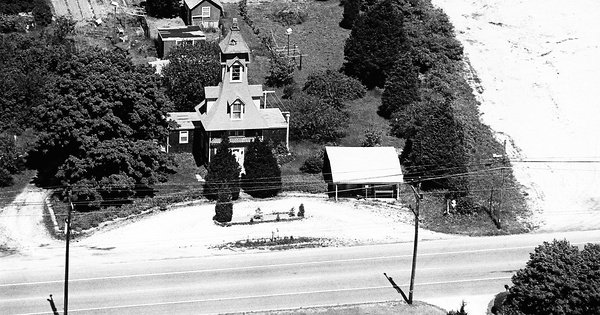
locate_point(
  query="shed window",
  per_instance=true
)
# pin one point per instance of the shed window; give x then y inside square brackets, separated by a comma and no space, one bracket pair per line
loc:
[236,73]
[205,12]
[183,137]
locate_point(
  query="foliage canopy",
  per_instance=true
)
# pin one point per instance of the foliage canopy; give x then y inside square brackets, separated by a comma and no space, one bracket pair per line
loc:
[374,44]
[190,69]
[559,279]
[315,120]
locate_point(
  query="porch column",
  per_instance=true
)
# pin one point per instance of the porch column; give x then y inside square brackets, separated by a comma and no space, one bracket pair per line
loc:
[336,192]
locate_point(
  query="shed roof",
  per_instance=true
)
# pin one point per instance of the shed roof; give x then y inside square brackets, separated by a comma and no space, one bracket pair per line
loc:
[189,32]
[364,165]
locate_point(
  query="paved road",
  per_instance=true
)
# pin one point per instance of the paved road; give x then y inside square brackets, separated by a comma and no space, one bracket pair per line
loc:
[270,280]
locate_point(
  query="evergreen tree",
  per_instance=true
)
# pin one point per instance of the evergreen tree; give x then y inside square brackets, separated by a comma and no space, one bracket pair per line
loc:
[263,175]
[224,206]
[434,150]
[351,13]
[223,172]
[374,44]
[401,88]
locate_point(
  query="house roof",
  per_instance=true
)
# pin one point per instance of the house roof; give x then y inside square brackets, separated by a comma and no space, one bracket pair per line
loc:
[364,165]
[184,120]
[217,117]
[234,43]
[191,4]
[182,32]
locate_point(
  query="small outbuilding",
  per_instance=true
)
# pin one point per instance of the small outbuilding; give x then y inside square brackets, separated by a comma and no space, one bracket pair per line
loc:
[170,37]
[367,172]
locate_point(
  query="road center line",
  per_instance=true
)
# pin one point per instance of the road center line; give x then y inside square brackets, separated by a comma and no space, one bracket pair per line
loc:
[269,295]
[158,274]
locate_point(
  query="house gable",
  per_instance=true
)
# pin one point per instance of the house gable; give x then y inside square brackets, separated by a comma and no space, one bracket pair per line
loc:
[203,12]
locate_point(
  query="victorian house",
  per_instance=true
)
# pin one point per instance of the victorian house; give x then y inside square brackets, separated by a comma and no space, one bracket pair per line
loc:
[233,107]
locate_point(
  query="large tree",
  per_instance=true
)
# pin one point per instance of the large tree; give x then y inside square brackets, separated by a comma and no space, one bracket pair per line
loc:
[223,172]
[100,103]
[374,44]
[559,279]
[401,87]
[434,150]
[190,69]
[262,176]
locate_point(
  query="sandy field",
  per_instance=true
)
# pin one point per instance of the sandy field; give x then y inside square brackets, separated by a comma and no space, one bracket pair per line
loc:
[538,65]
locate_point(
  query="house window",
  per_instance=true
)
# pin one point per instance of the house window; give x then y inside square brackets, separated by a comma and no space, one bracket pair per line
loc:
[183,137]
[236,73]
[237,133]
[205,12]
[236,111]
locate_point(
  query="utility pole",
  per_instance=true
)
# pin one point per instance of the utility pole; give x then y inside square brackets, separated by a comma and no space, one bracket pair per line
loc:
[67,237]
[502,183]
[418,197]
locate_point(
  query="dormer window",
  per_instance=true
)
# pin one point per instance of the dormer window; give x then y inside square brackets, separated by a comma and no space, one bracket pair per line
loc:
[236,73]
[236,110]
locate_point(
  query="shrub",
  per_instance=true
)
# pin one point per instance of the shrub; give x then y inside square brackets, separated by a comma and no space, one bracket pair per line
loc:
[42,12]
[281,71]
[224,206]
[373,137]
[334,87]
[162,8]
[301,211]
[289,14]
[461,311]
[315,120]
[313,164]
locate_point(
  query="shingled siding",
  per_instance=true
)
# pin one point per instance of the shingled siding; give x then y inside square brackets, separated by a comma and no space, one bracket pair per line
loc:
[212,21]
[175,146]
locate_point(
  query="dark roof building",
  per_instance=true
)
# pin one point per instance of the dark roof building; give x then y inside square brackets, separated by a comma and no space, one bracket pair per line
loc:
[170,37]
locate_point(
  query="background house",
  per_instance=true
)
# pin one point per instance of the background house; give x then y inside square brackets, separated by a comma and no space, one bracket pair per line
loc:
[234,107]
[205,13]
[168,38]
[368,172]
